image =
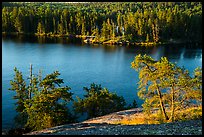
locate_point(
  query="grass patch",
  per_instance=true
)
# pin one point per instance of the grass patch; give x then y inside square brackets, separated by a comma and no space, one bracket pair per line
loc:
[190,113]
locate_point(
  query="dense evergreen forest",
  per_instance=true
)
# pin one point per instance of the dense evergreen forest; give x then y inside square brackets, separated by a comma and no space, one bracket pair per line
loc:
[135,22]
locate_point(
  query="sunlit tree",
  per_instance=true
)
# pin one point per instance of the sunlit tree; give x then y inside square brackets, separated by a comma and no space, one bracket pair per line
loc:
[149,84]
[47,108]
[163,84]
[40,28]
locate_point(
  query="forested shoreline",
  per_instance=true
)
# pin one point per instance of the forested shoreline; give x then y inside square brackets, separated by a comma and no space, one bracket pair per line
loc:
[105,22]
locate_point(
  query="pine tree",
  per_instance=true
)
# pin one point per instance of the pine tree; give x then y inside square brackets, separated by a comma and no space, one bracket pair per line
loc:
[147,38]
[40,28]
[98,101]
[164,84]
[54,25]
[60,29]
[149,73]
[47,106]
[18,24]
[104,30]
[46,110]
[83,29]
[18,85]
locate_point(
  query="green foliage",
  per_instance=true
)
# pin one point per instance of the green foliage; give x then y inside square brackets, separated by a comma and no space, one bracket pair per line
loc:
[40,28]
[60,29]
[18,25]
[163,84]
[133,105]
[147,110]
[18,85]
[167,21]
[98,102]
[48,105]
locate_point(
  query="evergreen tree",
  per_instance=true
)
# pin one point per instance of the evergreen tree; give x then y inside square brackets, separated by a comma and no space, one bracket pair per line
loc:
[98,102]
[47,107]
[149,73]
[147,38]
[83,30]
[54,25]
[18,85]
[40,28]
[95,33]
[104,30]
[18,24]
[60,29]
[164,84]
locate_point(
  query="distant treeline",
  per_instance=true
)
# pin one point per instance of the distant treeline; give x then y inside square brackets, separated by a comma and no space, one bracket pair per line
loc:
[128,21]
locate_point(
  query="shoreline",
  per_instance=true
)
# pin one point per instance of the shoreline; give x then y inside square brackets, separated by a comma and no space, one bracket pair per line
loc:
[106,42]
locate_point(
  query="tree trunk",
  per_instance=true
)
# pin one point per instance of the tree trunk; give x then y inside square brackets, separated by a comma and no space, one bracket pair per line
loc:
[161,103]
[172,105]
[30,90]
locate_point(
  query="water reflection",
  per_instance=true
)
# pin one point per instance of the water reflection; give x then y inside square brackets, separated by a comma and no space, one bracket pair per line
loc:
[20,38]
[173,51]
[195,54]
[141,50]
[42,39]
[109,48]
[179,51]
[170,51]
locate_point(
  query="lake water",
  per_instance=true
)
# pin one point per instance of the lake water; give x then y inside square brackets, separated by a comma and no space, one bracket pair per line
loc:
[81,64]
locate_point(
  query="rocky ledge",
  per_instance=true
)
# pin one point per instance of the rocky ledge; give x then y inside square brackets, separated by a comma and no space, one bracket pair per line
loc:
[104,126]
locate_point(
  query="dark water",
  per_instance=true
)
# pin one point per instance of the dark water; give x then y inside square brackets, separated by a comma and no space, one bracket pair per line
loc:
[81,64]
